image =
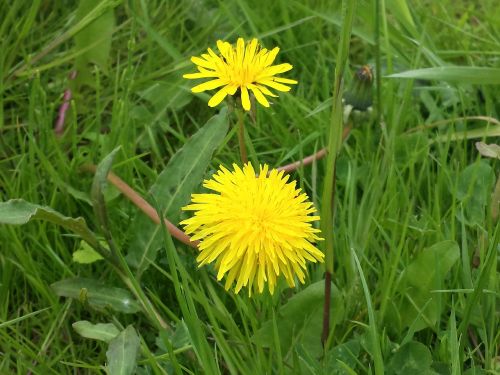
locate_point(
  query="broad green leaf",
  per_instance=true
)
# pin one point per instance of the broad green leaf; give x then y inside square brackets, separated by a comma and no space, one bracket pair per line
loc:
[475,180]
[173,188]
[474,187]
[94,39]
[302,316]
[86,255]
[432,262]
[342,356]
[459,74]
[98,295]
[18,212]
[413,358]
[426,273]
[122,352]
[100,331]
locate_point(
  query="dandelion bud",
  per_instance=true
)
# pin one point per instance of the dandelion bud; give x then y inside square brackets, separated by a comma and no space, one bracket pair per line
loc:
[359,93]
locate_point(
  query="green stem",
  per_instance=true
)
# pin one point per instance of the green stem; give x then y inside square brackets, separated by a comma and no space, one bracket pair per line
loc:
[241,136]
[334,144]
[382,17]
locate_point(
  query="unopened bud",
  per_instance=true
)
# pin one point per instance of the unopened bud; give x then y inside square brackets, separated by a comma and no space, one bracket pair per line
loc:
[359,93]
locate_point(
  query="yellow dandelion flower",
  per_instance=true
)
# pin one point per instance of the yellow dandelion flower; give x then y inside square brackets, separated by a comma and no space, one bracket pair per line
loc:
[244,67]
[255,228]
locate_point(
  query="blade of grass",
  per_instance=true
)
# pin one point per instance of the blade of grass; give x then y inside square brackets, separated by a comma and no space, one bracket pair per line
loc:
[374,338]
[473,75]
[334,145]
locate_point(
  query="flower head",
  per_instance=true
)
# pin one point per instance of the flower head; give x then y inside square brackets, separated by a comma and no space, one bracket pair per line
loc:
[255,228]
[245,67]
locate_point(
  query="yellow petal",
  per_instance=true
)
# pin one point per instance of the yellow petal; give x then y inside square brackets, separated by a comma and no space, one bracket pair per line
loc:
[276,69]
[275,85]
[260,98]
[250,51]
[215,58]
[225,49]
[202,62]
[245,98]
[285,80]
[261,55]
[271,56]
[231,89]
[232,275]
[218,97]
[221,45]
[210,85]
[266,91]
[199,75]
[204,70]
[240,49]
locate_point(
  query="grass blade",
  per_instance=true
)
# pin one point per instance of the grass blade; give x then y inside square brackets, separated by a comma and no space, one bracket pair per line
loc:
[457,74]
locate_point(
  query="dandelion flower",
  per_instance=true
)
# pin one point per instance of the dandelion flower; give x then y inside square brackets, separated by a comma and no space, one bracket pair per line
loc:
[255,228]
[244,67]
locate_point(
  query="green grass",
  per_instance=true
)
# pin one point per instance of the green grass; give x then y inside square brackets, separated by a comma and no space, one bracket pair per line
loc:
[415,276]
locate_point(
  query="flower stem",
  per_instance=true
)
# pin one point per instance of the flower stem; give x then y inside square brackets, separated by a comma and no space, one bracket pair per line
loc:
[144,206]
[241,136]
[334,144]
[326,308]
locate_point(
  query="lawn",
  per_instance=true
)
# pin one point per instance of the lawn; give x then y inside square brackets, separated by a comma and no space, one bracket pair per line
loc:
[375,251]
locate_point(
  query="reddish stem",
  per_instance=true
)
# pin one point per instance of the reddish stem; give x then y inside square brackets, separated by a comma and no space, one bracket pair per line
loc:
[326,308]
[61,116]
[311,158]
[145,207]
